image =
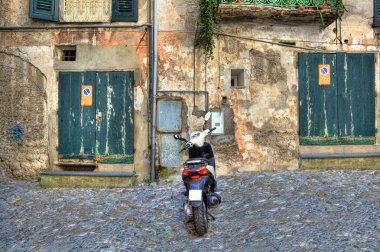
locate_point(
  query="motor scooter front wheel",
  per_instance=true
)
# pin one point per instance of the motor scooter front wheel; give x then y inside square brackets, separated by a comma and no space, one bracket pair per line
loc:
[200,219]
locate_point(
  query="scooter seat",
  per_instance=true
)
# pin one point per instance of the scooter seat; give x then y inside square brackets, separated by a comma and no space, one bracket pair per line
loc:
[193,161]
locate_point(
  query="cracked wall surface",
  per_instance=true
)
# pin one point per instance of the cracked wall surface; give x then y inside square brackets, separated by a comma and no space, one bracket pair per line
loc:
[264,113]
[99,50]
[23,118]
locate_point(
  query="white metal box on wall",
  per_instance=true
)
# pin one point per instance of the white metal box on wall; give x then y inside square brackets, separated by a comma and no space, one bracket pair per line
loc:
[217,120]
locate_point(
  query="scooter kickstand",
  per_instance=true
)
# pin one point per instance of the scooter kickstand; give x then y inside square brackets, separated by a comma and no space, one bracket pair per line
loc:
[212,216]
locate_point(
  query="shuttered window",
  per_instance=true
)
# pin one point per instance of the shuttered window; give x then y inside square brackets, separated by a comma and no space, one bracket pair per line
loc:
[44,9]
[376,14]
[124,10]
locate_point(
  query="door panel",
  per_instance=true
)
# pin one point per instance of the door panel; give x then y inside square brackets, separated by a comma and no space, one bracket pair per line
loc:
[105,129]
[169,121]
[169,151]
[318,113]
[76,136]
[115,136]
[169,116]
[356,109]
[344,111]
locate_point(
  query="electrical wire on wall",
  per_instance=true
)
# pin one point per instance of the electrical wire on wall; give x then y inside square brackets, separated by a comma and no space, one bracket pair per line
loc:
[289,45]
[337,40]
[218,32]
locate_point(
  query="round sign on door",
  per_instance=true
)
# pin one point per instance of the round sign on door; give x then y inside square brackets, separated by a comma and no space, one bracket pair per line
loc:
[86,96]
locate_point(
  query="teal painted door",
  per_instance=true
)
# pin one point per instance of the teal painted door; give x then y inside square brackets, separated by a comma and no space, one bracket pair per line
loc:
[356,98]
[103,131]
[318,112]
[342,112]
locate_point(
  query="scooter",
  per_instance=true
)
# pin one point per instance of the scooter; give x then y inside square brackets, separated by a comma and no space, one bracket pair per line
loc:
[199,178]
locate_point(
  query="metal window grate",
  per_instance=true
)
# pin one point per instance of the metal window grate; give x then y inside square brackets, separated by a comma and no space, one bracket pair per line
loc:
[69,55]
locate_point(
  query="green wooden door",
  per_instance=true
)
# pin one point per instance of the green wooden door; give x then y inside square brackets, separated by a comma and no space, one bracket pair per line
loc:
[342,112]
[318,111]
[356,98]
[104,130]
[114,130]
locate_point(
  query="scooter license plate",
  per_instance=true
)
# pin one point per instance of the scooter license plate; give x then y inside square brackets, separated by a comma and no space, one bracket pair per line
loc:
[195,195]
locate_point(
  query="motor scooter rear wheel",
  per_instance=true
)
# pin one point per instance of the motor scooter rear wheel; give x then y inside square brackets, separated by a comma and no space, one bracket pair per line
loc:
[200,219]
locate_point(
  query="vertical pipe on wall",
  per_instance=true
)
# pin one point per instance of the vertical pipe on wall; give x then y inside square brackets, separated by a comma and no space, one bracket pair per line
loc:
[154,93]
[150,67]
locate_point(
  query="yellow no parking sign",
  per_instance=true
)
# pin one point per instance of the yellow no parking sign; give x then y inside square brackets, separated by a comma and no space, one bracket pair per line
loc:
[324,76]
[86,96]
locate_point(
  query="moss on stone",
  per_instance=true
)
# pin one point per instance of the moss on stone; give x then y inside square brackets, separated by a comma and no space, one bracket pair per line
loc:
[360,163]
[51,181]
[166,172]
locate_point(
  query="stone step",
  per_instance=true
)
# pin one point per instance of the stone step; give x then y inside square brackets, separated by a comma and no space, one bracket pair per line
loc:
[343,161]
[80,179]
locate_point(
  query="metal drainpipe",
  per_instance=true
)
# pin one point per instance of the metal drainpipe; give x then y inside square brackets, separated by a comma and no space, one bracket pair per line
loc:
[154,94]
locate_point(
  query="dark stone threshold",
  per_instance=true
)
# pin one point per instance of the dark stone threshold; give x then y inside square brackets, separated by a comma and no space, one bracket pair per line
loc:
[77,164]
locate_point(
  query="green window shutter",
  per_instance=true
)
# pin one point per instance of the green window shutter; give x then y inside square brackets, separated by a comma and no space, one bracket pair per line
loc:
[376,14]
[124,10]
[44,9]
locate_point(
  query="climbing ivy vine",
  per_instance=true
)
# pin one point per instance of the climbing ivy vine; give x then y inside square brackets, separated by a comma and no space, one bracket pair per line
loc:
[206,24]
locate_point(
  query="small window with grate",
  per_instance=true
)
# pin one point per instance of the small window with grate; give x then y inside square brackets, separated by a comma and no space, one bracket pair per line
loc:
[66,53]
[69,55]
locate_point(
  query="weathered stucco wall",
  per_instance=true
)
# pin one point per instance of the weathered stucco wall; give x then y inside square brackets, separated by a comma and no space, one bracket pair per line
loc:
[261,118]
[100,50]
[23,118]
[264,113]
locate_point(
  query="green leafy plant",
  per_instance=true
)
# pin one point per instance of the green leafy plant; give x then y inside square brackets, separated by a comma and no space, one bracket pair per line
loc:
[340,8]
[206,24]
[147,181]
[134,182]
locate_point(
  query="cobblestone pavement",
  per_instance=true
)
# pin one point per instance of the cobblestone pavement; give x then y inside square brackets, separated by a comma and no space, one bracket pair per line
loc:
[282,211]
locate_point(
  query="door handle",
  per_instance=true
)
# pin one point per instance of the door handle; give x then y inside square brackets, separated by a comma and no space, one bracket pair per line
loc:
[99,116]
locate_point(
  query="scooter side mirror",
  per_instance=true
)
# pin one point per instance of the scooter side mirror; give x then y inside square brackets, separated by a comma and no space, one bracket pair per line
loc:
[208,116]
[176,137]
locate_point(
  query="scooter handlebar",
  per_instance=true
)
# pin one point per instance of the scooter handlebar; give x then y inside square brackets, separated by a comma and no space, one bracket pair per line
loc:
[180,138]
[184,148]
[187,146]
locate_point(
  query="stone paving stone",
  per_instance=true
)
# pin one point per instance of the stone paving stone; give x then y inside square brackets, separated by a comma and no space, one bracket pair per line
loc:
[281,211]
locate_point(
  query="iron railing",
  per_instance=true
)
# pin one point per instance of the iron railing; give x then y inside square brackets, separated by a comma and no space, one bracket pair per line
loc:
[332,4]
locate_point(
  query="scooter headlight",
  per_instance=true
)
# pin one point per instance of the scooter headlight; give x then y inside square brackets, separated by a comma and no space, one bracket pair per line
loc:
[195,135]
